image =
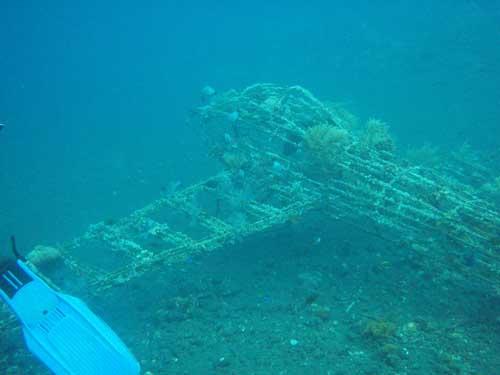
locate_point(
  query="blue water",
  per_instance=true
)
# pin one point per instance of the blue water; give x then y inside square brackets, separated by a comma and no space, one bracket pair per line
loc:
[94,95]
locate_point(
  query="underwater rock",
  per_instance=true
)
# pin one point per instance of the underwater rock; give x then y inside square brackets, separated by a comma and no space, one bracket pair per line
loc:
[44,255]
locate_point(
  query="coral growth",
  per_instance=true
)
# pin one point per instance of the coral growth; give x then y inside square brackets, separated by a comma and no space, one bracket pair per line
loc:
[44,255]
[379,329]
[376,136]
[234,160]
[326,142]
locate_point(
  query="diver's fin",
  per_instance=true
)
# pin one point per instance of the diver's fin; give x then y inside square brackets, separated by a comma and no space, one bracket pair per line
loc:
[60,329]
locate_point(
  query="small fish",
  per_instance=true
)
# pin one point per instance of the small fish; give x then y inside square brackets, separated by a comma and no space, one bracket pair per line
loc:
[2,126]
[470,260]
[233,116]
[267,299]
[207,93]
[278,168]
[228,139]
[317,240]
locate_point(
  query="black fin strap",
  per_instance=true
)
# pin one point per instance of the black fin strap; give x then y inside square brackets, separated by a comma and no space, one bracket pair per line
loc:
[14,249]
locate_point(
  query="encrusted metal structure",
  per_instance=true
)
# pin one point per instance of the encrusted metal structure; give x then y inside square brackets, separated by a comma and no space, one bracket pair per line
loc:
[315,157]
[286,154]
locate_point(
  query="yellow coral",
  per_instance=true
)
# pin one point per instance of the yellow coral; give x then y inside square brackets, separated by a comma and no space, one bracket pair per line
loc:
[326,142]
[234,160]
[379,329]
[376,136]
